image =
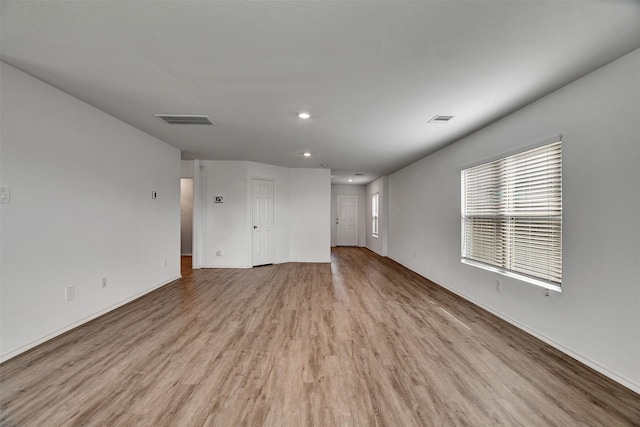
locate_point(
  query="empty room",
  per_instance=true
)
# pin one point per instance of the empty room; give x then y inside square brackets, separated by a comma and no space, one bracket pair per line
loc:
[319,213]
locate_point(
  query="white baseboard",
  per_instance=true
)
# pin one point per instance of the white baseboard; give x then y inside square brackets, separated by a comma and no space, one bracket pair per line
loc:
[569,352]
[225,266]
[81,322]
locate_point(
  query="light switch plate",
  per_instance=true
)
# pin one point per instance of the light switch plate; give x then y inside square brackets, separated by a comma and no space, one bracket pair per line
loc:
[5,195]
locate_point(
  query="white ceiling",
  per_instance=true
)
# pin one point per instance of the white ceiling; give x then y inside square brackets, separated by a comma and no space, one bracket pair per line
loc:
[370,73]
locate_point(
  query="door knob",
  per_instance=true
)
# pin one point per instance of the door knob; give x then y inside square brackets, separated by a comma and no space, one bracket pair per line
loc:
[255,226]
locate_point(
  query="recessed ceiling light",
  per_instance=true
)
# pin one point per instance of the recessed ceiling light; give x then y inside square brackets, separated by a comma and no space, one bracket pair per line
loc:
[304,115]
[350,180]
[306,154]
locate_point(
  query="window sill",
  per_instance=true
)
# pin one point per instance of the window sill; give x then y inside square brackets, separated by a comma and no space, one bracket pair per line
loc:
[521,277]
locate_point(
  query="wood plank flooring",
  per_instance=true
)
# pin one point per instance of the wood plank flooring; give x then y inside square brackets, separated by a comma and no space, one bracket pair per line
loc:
[360,342]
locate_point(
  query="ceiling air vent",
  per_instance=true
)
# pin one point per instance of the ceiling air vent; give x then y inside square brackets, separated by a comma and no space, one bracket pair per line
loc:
[185,120]
[441,119]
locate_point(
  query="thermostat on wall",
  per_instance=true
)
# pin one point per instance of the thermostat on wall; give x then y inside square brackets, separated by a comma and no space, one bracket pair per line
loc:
[219,199]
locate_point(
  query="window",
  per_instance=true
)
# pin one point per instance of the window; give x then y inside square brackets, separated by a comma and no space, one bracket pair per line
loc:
[512,215]
[374,214]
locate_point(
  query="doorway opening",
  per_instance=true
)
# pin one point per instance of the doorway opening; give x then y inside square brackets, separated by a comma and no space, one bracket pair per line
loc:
[186,216]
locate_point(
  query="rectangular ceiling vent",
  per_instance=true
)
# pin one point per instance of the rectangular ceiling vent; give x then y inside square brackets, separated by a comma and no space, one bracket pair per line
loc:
[173,119]
[440,119]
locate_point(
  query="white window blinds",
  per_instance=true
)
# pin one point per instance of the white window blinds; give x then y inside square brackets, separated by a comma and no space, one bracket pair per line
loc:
[512,215]
[374,214]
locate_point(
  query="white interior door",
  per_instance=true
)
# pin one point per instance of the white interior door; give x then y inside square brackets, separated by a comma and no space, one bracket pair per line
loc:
[262,214]
[347,220]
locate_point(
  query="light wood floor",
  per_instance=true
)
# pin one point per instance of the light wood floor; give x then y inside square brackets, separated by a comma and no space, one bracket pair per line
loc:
[360,342]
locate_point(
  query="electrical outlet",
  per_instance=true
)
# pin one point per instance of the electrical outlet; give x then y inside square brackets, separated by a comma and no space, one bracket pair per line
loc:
[547,293]
[218,252]
[498,285]
[104,282]
[70,293]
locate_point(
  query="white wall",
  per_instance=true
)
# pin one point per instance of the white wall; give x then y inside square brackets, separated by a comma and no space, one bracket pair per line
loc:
[596,318]
[186,169]
[226,225]
[378,244]
[81,210]
[309,219]
[302,209]
[351,190]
